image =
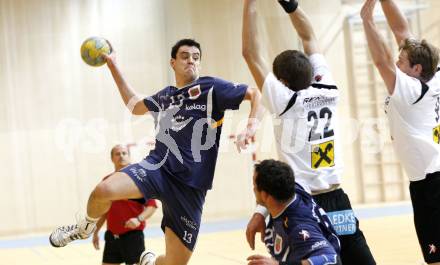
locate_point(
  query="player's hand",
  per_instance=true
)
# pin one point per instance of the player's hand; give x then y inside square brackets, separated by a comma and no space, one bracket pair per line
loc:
[132,223]
[261,260]
[255,225]
[245,137]
[243,140]
[95,241]
[110,58]
[367,10]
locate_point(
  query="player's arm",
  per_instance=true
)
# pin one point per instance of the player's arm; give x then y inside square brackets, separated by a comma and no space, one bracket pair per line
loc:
[263,260]
[397,22]
[380,53]
[322,260]
[99,224]
[257,224]
[255,116]
[133,101]
[302,25]
[251,48]
[147,213]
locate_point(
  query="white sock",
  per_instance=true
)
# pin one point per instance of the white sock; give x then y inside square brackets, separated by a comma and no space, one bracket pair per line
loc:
[91,220]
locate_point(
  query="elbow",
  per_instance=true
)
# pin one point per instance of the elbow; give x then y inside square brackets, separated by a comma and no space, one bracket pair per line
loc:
[379,63]
[246,53]
[307,37]
[137,113]
[253,95]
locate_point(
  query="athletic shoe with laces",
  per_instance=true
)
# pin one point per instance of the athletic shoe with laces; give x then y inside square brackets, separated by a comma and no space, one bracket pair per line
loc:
[147,258]
[63,235]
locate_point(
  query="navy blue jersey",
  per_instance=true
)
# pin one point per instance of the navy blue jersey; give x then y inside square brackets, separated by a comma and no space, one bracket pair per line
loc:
[188,127]
[301,231]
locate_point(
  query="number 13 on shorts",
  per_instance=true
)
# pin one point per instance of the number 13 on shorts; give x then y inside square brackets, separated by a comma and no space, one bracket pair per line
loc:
[187,237]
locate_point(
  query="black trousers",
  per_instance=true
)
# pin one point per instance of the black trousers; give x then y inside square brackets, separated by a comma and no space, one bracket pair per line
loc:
[125,248]
[425,198]
[354,247]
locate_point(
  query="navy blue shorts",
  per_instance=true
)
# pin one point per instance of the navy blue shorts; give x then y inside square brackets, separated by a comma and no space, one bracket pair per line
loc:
[182,205]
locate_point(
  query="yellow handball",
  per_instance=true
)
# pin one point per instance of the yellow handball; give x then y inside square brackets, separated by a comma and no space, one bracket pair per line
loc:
[92,50]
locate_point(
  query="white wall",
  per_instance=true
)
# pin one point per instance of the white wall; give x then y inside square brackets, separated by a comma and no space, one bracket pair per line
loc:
[60,117]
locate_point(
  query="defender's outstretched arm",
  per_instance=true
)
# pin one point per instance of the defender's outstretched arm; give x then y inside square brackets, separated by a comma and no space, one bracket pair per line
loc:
[303,27]
[251,48]
[396,20]
[380,53]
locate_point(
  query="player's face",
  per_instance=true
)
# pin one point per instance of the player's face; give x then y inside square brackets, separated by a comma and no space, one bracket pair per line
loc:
[405,66]
[187,63]
[120,157]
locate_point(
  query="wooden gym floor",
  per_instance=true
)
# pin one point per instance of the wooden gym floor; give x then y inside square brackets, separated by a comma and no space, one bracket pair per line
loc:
[389,231]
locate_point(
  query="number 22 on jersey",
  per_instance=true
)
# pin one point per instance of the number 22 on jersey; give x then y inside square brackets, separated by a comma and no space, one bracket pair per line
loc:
[323,154]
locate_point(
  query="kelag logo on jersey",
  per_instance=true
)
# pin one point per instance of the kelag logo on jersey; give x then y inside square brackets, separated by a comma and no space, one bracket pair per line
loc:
[344,222]
[196,107]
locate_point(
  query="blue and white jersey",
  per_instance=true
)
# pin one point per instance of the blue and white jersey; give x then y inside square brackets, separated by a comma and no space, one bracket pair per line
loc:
[188,126]
[301,231]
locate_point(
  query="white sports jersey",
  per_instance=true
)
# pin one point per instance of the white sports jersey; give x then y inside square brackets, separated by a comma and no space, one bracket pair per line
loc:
[413,115]
[305,137]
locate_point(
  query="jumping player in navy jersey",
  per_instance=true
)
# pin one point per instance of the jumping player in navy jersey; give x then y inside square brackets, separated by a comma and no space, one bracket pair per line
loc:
[180,170]
[299,232]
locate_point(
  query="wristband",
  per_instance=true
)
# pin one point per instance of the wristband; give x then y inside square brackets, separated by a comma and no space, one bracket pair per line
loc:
[261,210]
[289,5]
[140,218]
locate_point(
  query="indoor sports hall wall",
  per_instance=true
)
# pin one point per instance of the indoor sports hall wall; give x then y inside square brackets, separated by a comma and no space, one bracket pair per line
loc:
[59,117]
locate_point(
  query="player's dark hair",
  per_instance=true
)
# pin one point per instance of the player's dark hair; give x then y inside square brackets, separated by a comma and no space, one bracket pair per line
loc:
[276,178]
[294,69]
[423,53]
[185,42]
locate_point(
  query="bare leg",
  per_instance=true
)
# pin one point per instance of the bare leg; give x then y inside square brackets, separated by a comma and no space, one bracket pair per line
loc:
[116,187]
[176,252]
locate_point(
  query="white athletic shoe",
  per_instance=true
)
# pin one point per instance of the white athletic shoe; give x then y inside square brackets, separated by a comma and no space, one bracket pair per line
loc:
[63,235]
[147,258]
